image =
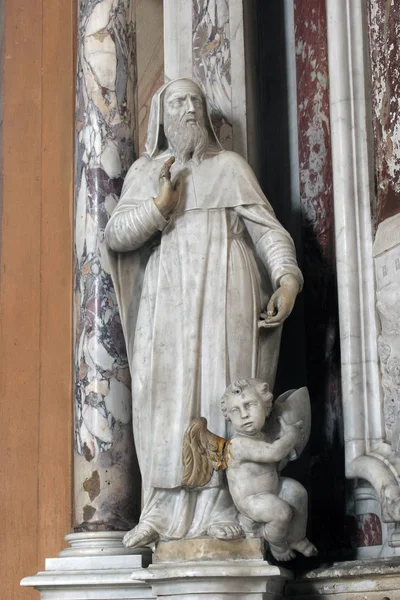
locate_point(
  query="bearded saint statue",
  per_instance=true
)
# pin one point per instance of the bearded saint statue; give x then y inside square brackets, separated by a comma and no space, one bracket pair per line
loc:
[197,254]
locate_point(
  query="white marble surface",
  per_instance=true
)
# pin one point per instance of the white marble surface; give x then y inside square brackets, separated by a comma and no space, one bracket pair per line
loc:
[366,451]
[270,506]
[351,580]
[110,584]
[94,563]
[239,91]
[177,39]
[276,505]
[226,580]
[90,578]
[193,316]
[352,191]
[96,566]
[208,46]
[99,543]
[387,271]
[229,580]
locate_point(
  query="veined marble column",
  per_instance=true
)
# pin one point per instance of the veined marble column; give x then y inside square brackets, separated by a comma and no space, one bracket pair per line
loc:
[107,481]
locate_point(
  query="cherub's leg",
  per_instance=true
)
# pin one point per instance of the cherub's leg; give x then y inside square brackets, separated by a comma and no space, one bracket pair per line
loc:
[305,547]
[250,527]
[296,495]
[276,515]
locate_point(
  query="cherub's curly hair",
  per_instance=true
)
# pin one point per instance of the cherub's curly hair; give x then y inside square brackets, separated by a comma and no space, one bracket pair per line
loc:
[240,385]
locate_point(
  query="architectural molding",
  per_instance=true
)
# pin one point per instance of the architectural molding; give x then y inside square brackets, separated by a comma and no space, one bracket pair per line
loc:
[367,454]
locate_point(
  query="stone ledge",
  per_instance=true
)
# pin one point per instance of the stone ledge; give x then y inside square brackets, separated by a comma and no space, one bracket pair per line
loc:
[371,579]
[216,580]
[92,585]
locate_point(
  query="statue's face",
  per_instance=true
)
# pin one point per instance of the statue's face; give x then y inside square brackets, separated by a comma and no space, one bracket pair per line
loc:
[246,411]
[183,103]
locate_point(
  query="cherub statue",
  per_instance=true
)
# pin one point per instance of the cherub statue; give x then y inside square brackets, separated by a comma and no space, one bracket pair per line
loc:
[269,505]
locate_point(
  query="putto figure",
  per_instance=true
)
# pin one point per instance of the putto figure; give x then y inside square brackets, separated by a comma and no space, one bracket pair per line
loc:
[197,256]
[254,460]
[270,506]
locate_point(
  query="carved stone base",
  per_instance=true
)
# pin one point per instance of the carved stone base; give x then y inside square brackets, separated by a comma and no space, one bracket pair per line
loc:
[95,567]
[222,580]
[375,579]
[100,543]
[207,549]
[94,578]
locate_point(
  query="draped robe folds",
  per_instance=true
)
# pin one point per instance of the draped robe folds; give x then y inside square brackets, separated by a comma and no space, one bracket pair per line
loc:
[190,290]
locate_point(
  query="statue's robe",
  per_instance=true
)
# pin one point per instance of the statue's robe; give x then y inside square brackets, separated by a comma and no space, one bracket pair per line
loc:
[190,291]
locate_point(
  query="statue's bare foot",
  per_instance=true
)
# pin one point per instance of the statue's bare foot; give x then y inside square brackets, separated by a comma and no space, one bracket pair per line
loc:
[282,553]
[141,535]
[225,531]
[305,547]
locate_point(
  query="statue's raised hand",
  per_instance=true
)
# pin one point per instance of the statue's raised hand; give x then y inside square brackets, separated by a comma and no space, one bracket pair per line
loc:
[281,303]
[168,195]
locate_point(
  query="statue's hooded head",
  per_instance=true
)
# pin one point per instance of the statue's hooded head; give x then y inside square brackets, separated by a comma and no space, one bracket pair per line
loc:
[180,123]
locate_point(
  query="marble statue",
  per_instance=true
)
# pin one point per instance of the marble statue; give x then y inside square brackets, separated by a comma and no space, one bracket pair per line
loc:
[270,506]
[205,275]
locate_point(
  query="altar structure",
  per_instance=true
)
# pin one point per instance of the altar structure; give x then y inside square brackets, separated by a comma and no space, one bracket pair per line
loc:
[306,94]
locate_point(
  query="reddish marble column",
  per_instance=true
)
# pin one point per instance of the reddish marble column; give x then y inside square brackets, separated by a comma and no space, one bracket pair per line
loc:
[320,289]
[384,33]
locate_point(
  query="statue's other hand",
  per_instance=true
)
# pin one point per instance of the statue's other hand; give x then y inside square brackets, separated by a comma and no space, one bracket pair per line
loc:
[168,195]
[281,303]
[296,428]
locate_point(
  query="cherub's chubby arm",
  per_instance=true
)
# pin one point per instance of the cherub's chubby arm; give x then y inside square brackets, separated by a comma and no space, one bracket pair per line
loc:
[247,449]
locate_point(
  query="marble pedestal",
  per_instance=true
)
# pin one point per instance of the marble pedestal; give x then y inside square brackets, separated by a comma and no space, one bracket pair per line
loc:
[377,579]
[216,580]
[95,567]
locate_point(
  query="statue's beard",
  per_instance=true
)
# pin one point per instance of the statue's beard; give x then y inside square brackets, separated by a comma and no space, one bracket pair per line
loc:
[187,139]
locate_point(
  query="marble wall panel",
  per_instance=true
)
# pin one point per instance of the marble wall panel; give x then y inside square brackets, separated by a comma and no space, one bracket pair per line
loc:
[369,530]
[384,32]
[320,290]
[208,46]
[212,62]
[387,272]
[106,494]
[150,59]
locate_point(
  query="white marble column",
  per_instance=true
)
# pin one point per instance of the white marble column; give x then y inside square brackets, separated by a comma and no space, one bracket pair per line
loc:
[368,452]
[107,481]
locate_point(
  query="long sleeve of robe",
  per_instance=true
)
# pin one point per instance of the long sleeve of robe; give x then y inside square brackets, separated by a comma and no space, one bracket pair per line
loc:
[273,245]
[134,226]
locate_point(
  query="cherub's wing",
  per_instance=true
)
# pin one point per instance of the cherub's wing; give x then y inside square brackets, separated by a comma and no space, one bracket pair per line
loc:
[293,406]
[202,453]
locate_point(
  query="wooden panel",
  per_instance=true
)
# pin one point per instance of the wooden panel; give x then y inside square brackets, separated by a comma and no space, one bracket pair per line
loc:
[20,292]
[35,300]
[56,278]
